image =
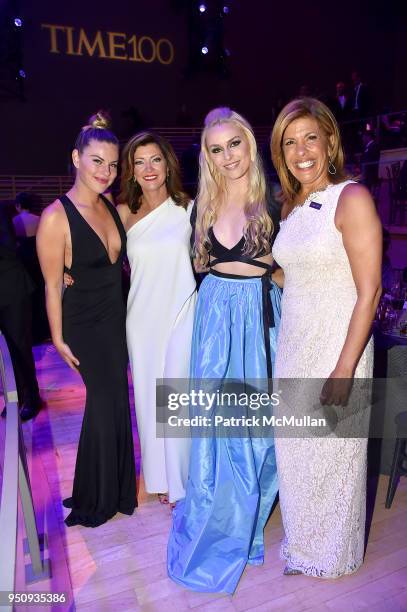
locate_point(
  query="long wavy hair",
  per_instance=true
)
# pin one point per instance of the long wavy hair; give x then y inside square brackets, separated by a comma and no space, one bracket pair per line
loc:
[305,107]
[130,190]
[212,191]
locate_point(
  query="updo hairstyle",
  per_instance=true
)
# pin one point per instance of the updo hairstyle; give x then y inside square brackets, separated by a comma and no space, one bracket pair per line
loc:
[98,128]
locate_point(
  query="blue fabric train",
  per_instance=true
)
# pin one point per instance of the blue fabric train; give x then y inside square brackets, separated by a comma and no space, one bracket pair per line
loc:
[218,527]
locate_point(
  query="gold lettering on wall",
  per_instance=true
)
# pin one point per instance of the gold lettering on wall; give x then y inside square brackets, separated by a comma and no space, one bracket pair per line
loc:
[165,42]
[109,45]
[143,48]
[53,35]
[69,41]
[135,57]
[91,48]
[114,45]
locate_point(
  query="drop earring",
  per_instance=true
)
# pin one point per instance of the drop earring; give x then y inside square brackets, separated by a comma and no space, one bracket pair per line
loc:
[331,167]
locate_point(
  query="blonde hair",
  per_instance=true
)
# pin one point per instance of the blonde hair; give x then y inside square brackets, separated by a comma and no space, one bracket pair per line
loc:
[100,120]
[97,128]
[305,107]
[212,189]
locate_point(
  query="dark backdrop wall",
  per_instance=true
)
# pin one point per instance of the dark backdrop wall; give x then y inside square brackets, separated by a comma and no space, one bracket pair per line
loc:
[109,55]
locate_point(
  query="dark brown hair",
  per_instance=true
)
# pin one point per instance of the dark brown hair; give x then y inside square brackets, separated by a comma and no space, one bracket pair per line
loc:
[130,190]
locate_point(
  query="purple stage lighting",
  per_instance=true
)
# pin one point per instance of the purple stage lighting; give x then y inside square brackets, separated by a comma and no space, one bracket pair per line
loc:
[204,50]
[226,9]
[21,74]
[202,8]
[18,22]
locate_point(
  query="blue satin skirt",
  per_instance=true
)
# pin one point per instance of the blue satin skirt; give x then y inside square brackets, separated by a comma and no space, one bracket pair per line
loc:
[218,526]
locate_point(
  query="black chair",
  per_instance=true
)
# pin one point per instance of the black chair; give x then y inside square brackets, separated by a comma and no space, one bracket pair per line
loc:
[399,466]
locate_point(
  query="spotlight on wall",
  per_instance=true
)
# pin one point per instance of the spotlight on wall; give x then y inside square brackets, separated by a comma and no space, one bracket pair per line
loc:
[204,50]
[18,22]
[202,8]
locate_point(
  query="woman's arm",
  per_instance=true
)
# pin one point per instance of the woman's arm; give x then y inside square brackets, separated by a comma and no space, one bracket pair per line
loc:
[51,241]
[278,277]
[357,219]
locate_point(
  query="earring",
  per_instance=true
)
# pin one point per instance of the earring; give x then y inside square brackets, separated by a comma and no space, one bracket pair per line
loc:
[331,167]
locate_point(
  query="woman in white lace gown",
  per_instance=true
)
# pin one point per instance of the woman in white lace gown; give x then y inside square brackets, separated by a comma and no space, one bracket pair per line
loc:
[329,247]
[160,307]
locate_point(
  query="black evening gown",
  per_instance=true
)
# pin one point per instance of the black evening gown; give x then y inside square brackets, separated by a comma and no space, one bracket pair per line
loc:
[93,316]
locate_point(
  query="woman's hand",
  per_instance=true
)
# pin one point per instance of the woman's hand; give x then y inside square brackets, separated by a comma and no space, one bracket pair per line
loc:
[68,280]
[67,355]
[337,388]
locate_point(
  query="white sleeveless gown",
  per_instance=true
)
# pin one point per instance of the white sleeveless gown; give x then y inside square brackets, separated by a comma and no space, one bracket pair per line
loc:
[322,480]
[160,314]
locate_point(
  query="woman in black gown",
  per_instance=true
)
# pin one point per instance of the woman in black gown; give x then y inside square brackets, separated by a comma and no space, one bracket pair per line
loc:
[81,233]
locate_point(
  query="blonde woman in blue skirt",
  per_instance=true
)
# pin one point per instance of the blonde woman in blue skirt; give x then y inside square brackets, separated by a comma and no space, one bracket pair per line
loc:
[218,526]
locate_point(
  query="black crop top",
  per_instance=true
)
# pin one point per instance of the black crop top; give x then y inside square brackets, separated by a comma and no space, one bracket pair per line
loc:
[219,251]
[221,254]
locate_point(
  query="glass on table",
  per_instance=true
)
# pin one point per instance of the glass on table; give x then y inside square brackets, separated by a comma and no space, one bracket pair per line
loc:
[398,290]
[389,318]
[384,302]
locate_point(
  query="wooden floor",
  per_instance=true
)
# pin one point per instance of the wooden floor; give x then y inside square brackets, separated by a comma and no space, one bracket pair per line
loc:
[121,565]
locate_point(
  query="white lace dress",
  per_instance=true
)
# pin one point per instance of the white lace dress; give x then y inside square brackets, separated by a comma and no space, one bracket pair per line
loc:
[322,480]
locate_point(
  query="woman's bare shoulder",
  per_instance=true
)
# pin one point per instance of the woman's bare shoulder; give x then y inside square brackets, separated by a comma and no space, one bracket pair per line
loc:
[55,208]
[355,190]
[124,212]
[53,215]
[356,198]
[356,208]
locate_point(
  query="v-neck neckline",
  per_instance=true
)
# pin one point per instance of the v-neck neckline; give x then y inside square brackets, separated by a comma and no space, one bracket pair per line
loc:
[225,247]
[112,263]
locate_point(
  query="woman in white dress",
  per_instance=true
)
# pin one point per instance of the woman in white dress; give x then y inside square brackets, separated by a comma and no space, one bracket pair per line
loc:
[329,247]
[160,309]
